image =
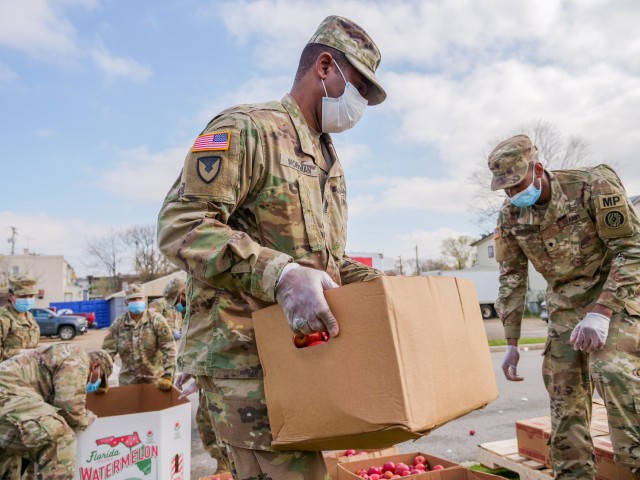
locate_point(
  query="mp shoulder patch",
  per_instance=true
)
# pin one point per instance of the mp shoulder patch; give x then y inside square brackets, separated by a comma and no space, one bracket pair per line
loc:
[613,217]
[214,141]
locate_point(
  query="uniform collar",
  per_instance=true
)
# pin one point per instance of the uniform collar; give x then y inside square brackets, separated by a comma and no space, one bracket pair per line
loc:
[145,318]
[300,124]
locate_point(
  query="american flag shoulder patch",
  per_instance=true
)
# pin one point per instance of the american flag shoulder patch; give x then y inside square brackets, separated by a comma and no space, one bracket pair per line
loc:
[212,141]
[497,233]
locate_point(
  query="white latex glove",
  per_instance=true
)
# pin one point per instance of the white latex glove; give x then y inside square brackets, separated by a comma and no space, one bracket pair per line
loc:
[182,379]
[300,294]
[591,333]
[188,390]
[510,364]
[91,417]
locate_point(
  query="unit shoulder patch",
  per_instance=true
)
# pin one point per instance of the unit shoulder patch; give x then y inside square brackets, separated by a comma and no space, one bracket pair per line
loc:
[613,217]
[208,168]
[213,141]
[611,201]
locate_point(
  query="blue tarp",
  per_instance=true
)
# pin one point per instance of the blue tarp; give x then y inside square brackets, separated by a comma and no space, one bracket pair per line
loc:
[99,307]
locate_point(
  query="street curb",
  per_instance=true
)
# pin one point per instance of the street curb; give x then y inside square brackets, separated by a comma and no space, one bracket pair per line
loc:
[525,347]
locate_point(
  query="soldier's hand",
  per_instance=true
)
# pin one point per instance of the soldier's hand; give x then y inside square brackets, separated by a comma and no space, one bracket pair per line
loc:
[164,384]
[510,364]
[300,293]
[591,333]
[182,379]
[91,417]
[189,389]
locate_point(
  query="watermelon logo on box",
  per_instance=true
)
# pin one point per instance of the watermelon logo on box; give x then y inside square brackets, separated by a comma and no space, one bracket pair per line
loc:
[108,463]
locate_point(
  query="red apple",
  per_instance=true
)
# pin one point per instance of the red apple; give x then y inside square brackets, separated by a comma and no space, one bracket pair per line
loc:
[373,470]
[388,474]
[437,467]
[374,476]
[420,466]
[389,467]
[300,340]
[416,471]
[472,432]
[419,460]
[348,453]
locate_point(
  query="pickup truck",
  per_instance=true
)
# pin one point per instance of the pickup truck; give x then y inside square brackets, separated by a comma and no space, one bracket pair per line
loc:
[90,316]
[53,324]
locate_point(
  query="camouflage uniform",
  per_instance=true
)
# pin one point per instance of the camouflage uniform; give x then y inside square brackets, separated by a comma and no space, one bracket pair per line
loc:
[586,244]
[42,400]
[272,194]
[18,330]
[146,346]
[168,312]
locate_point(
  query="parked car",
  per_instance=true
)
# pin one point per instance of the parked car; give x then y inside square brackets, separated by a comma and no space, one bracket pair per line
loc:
[53,324]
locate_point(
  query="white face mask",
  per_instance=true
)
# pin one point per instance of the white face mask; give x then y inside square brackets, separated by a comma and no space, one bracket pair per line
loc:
[342,113]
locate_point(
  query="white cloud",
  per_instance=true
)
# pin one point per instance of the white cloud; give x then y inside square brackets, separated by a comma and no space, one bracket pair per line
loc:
[119,67]
[144,175]
[6,73]
[44,234]
[394,194]
[34,27]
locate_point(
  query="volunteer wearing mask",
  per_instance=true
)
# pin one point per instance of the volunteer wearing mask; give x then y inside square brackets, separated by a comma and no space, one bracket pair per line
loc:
[144,342]
[18,329]
[579,230]
[168,306]
[258,215]
[43,393]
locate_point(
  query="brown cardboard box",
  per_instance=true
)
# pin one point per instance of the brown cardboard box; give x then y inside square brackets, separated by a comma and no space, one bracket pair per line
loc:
[218,476]
[332,459]
[346,471]
[412,355]
[606,468]
[533,437]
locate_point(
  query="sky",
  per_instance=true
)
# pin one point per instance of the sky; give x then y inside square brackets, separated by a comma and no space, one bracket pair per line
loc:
[100,100]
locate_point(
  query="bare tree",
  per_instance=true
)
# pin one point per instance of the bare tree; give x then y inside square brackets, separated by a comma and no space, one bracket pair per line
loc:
[555,151]
[459,250]
[107,252]
[148,262]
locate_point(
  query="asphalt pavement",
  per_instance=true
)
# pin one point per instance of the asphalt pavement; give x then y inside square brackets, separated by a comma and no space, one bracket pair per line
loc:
[518,400]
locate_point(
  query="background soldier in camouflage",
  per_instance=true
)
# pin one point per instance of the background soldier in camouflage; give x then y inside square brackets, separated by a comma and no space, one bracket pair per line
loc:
[42,401]
[18,329]
[580,232]
[144,342]
[168,306]
[259,215]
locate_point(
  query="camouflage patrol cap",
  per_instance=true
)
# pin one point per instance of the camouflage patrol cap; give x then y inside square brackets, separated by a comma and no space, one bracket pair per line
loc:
[348,37]
[22,285]
[509,161]
[133,290]
[105,361]
[173,290]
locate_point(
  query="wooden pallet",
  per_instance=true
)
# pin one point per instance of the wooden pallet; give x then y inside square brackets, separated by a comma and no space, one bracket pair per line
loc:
[504,454]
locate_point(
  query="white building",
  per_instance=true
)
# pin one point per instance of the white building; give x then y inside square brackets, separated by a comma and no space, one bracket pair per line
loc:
[55,278]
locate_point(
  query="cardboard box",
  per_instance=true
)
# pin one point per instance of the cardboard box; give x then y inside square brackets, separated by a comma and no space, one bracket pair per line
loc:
[533,437]
[140,433]
[218,476]
[346,471]
[606,467]
[332,459]
[412,355]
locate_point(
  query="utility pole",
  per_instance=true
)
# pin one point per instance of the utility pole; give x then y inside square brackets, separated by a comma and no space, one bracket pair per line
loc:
[400,267]
[417,263]
[12,240]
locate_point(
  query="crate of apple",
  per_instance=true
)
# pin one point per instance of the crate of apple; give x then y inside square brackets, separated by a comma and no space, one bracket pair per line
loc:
[302,341]
[397,470]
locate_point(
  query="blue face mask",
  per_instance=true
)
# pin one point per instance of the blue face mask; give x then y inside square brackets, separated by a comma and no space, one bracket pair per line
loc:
[528,196]
[24,304]
[180,308]
[92,387]
[137,307]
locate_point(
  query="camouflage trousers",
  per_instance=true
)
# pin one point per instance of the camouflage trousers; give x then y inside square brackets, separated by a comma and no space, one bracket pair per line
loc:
[47,442]
[239,413]
[570,377]
[208,434]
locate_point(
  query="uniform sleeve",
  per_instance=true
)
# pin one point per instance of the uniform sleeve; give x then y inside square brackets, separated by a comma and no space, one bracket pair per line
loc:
[166,344]
[109,343]
[352,271]
[513,281]
[619,229]
[69,383]
[5,324]
[193,224]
